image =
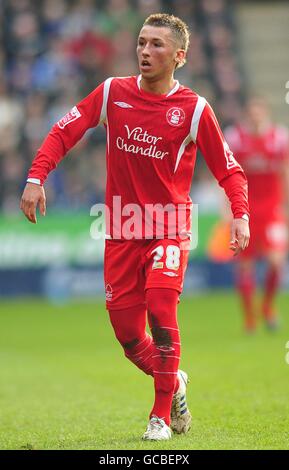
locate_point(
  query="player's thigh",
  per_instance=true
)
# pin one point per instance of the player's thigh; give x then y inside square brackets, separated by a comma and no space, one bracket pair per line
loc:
[165,264]
[124,281]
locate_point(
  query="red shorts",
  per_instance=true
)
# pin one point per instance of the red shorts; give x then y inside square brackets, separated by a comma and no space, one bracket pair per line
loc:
[266,234]
[132,266]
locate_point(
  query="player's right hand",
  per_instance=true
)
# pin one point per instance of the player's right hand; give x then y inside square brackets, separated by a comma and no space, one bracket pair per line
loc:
[240,235]
[33,196]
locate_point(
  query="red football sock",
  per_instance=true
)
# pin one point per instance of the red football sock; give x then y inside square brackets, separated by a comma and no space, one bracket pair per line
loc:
[246,287]
[162,315]
[129,326]
[272,283]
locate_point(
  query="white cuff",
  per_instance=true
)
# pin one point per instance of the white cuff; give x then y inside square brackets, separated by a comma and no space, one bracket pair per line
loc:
[245,217]
[34,180]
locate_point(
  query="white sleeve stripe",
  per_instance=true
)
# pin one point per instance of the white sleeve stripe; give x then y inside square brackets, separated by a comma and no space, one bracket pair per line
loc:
[107,136]
[181,150]
[106,88]
[201,103]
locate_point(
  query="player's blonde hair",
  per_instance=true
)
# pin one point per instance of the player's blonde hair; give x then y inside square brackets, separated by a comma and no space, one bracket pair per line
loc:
[178,27]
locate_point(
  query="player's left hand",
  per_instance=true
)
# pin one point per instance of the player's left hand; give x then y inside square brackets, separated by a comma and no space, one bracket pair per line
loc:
[240,235]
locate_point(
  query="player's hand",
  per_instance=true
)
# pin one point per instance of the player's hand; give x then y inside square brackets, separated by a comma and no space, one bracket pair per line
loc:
[33,196]
[240,235]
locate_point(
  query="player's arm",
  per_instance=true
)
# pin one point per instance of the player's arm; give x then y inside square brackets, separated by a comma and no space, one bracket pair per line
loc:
[62,137]
[232,137]
[228,172]
[236,189]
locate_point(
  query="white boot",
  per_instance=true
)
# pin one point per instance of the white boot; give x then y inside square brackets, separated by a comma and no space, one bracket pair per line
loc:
[180,415]
[157,430]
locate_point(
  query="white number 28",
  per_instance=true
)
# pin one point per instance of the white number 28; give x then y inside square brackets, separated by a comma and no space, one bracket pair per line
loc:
[172,256]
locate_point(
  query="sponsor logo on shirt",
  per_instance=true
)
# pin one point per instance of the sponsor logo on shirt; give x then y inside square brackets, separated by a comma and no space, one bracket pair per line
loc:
[122,104]
[134,140]
[69,117]
[176,116]
[170,274]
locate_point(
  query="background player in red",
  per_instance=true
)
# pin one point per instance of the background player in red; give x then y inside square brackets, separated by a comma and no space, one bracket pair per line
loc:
[154,127]
[262,149]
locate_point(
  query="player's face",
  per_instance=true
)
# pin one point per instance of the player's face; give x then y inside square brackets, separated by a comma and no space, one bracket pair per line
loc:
[157,52]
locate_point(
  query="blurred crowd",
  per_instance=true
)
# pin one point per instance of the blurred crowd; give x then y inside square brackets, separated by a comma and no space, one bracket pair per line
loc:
[54,52]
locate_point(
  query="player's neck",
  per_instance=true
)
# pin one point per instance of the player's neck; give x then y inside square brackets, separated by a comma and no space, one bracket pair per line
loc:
[158,87]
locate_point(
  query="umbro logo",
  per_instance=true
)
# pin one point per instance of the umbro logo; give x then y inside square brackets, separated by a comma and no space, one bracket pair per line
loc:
[122,104]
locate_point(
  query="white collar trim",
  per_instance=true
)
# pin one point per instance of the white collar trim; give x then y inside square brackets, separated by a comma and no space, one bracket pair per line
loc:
[175,89]
[170,93]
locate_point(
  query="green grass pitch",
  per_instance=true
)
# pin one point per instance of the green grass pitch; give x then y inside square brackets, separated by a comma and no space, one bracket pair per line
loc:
[65,384]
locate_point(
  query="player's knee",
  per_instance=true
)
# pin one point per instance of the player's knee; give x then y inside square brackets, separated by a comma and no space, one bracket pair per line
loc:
[126,339]
[130,345]
[129,341]
[132,349]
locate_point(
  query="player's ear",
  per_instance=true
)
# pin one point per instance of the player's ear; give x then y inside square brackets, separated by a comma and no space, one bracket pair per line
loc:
[180,57]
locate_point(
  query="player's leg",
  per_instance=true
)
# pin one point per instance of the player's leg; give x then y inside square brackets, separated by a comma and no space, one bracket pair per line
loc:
[129,325]
[245,284]
[162,315]
[125,300]
[275,264]
[165,265]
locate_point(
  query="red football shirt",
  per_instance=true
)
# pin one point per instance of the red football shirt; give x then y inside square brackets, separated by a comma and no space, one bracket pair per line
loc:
[151,151]
[262,158]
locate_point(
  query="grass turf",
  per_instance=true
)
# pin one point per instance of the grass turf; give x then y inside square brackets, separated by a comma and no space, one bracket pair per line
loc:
[65,383]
